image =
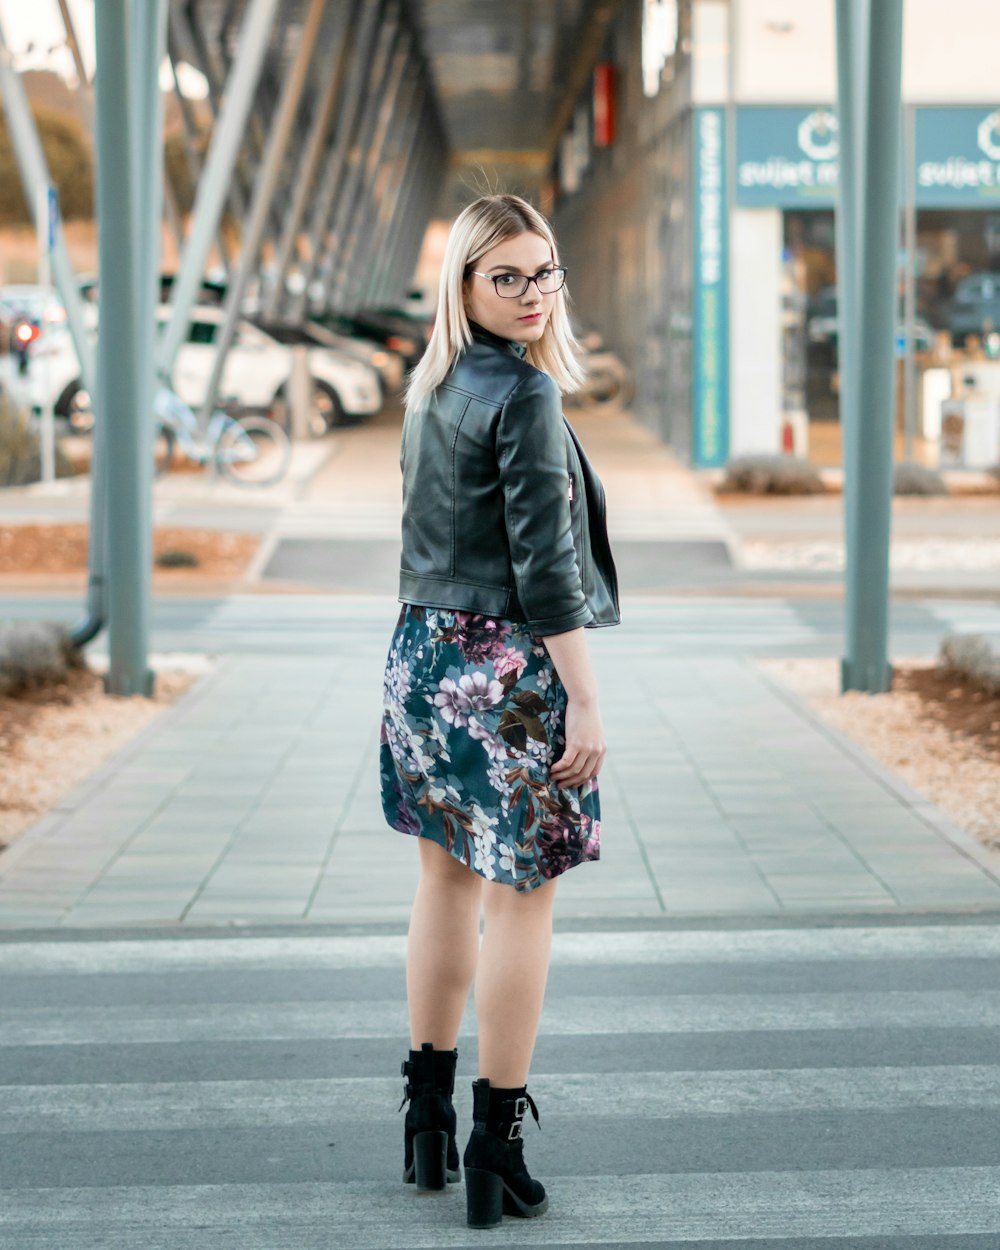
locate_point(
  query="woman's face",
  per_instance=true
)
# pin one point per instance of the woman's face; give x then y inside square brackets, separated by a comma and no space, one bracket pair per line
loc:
[521,319]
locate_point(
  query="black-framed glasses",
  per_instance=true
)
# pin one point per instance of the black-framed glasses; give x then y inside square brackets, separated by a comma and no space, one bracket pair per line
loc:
[514,285]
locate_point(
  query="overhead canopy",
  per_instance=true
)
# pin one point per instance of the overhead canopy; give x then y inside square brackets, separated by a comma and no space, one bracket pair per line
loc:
[504,76]
[507,77]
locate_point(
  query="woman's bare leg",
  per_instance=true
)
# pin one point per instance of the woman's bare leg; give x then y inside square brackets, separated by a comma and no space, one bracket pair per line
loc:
[510,979]
[442,946]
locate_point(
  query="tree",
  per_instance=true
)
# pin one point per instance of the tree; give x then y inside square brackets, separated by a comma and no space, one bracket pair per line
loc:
[70,163]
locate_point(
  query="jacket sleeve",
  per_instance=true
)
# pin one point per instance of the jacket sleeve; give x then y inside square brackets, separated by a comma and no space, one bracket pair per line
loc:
[531,453]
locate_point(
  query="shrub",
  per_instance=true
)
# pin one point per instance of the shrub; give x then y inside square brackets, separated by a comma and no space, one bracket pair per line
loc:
[916,479]
[70,164]
[975,657]
[173,559]
[20,449]
[772,475]
[33,652]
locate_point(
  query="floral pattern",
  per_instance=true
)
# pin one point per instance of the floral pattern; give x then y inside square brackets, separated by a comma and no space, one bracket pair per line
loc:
[472,723]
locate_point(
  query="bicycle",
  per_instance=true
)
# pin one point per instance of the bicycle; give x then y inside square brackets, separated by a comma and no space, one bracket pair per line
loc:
[250,450]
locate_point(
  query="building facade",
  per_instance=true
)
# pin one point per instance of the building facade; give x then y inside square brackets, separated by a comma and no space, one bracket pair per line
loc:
[710,220]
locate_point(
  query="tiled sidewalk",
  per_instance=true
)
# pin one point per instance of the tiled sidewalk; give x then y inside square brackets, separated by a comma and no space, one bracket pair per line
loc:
[255,799]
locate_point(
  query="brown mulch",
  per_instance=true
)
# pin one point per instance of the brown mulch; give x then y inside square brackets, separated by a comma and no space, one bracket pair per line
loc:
[62,548]
[957,704]
[53,736]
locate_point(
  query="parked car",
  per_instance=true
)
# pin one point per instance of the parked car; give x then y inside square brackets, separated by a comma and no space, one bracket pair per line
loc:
[38,304]
[256,374]
[388,365]
[403,335]
[36,350]
[975,307]
[258,368]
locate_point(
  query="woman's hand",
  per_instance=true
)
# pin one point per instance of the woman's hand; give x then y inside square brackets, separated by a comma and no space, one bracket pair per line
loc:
[585,746]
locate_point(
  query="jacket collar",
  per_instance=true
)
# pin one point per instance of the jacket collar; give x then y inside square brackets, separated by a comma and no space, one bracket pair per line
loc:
[481,335]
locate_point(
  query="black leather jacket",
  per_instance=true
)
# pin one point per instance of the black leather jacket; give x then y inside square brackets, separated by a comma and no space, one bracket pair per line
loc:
[502,513]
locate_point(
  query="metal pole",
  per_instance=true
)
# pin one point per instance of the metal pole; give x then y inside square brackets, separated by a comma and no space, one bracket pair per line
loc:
[267,177]
[327,200]
[910,280]
[361,144]
[120,404]
[214,182]
[429,159]
[868,452]
[852,75]
[87,629]
[398,226]
[383,189]
[149,36]
[411,255]
[217,66]
[404,225]
[312,155]
[362,284]
[187,43]
[34,172]
[74,44]
[188,136]
[429,191]
[357,248]
[173,212]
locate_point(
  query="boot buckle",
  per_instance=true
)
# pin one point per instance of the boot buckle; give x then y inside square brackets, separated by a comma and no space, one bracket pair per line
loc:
[517,1125]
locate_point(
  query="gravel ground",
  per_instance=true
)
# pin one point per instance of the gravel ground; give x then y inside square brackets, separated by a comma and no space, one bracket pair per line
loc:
[934,729]
[52,737]
[921,555]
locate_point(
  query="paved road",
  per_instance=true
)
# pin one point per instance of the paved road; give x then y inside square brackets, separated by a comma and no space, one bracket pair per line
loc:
[740,1087]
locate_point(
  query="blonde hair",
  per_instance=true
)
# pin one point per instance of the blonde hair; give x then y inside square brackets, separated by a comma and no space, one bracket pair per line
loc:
[480,227]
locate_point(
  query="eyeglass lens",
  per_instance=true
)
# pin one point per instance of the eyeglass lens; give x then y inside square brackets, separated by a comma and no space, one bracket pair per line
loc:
[514,285]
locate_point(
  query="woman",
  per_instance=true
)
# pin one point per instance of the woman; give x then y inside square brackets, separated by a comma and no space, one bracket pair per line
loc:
[492,737]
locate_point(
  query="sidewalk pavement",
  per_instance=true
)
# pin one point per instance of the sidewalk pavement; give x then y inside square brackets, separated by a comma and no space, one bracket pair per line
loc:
[254,800]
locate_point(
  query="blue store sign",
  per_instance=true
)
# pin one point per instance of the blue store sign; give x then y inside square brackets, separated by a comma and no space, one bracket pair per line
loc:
[711,291]
[786,157]
[958,157]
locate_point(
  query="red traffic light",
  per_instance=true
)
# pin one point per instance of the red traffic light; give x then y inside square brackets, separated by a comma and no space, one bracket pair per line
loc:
[26,333]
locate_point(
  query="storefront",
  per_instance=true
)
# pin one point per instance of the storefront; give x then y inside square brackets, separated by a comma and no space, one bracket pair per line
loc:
[765,185]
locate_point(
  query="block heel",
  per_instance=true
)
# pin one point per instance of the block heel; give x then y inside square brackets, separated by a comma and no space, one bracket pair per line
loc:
[483,1198]
[430,1152]
[430,1156]
[497,1183]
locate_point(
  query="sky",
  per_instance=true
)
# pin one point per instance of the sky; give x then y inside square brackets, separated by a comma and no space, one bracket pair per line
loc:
[40,24]
[35,35]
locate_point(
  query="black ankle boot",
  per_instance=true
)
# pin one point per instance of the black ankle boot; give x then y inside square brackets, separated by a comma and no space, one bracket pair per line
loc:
[430,1153]
[496,1181]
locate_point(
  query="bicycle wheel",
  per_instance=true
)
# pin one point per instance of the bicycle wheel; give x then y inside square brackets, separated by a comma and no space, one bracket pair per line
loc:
[603,386]
[253,451]
[164,445]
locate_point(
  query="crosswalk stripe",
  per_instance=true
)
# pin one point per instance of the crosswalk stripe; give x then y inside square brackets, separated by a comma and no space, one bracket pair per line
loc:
[570,949]
[691,1206]
[175,1105]
[565,1016]
[68,1147]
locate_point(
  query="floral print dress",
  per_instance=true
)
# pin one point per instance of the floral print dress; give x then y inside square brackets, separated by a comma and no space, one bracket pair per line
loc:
[473,721]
